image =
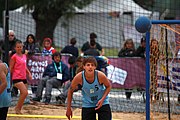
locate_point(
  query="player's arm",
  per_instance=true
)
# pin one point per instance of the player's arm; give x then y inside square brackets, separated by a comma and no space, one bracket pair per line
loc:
[104,80]
[11,66]
[29,73]
[74,84]
[3,81]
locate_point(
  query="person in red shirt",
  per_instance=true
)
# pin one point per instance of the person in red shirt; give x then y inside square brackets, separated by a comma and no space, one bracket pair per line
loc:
[19,71]
[48,49]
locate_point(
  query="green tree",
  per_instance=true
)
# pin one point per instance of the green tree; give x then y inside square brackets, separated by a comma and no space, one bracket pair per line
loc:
[161,6]
[12,5]
[46,13]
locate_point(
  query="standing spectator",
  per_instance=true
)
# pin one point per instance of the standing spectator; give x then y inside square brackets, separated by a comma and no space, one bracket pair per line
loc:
[86,45]
[5,94]
[141,50]
[30,46]
[95,90]
[48,49]
[54,76]
[71,49]
[11,43]
[18,72]
[128,50]
[92,51]
[154,57]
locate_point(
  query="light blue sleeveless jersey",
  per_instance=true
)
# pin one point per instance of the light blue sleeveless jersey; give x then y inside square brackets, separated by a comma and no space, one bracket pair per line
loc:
[5,97]
[92,92]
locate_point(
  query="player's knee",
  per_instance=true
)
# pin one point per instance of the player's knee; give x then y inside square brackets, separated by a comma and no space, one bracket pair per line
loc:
[24,93]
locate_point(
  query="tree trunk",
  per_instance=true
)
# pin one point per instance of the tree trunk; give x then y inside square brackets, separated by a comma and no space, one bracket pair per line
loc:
[45,29]
[45,25]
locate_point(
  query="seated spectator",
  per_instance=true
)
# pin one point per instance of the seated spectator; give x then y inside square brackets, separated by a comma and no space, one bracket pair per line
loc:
[92,51]
[103,62]
[30,45]
[86,45]
[30,48]
[74,65]
[48,49]
[54,76]
[128,49]
[141,50]
[71,49]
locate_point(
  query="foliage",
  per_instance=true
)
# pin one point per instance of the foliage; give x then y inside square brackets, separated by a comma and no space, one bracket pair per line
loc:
[13,4]
[161,6]
[47,13]
[59,8]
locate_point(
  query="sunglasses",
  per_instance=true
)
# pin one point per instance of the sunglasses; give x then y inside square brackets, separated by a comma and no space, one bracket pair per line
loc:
[11,35]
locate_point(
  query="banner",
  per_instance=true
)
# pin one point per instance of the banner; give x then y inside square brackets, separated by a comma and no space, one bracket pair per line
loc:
[134,72]
[173,77]
[132,69]
[37,65]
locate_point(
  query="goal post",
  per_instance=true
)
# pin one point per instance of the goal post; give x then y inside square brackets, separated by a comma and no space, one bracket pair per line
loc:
[148,67]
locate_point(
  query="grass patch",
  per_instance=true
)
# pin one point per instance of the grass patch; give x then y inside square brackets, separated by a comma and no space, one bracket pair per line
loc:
[108,51]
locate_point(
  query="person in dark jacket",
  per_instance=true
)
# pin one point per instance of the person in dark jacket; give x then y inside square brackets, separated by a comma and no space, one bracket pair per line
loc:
[11,43]
[30,46]
[140,51]
[92,51]
[71,49]
[54,76]
[127,51]
[87,46]
[11,49]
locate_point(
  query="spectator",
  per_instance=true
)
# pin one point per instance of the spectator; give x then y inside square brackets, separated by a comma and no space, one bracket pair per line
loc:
[11,43]
[62,97]
[79,61]
[154,57]
[86,45]
[71,49]
[92,51]
[54,76]
[128,50]
[48,49]
[5,94]
[19,70]
[30,46]
[141,50]
[95,90]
